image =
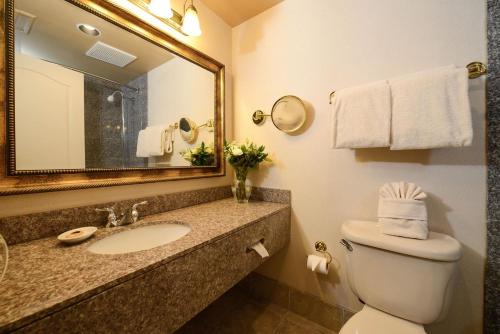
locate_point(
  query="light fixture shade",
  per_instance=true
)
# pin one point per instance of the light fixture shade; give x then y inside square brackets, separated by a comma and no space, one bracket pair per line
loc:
[190,22]
[161,8]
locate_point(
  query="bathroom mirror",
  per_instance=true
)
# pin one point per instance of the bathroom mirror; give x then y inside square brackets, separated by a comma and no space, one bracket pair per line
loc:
[92,89]
[288,113]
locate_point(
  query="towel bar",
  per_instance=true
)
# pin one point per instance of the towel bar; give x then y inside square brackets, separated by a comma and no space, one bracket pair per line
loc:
[476,69]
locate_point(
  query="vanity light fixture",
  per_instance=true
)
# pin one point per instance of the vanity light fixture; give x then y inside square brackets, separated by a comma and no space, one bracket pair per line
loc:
[190,21]
[161,8]
[88,29]
[187,24]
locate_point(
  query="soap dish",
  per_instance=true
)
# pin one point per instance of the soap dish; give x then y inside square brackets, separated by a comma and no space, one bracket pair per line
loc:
[77,235]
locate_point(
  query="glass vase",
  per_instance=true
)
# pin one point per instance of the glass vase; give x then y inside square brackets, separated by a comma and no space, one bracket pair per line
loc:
[242,188]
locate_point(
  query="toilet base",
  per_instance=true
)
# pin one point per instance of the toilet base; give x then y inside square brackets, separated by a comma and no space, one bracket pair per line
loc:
[373,321]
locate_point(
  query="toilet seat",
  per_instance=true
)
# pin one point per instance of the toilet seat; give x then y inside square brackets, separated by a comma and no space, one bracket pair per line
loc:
[373,321]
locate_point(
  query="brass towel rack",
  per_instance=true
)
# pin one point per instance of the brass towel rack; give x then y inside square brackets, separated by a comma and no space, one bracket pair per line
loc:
[476,69]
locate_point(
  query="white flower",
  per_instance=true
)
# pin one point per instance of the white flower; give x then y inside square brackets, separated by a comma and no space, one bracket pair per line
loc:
[195,150]
[209,149]
[187,155]
[236,151]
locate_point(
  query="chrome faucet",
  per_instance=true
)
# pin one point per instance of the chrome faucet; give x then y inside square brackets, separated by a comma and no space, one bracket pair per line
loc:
[112,221]
[129,217]
[134,214]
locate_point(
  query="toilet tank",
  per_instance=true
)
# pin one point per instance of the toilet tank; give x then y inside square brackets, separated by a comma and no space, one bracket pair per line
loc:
[408,278]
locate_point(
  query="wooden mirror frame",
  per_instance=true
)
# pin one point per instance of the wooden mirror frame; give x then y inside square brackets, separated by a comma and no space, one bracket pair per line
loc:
[14,181]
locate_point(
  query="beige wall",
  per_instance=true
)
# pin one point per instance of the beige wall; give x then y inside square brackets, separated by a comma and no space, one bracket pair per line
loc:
[311,48]
[176,89]
[215,42]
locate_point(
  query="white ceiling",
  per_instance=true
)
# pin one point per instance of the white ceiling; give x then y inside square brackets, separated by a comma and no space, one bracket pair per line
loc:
[235,12]
[54,37]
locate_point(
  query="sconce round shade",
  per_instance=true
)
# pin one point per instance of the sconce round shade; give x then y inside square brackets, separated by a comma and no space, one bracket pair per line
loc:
[161,8]
[191,22]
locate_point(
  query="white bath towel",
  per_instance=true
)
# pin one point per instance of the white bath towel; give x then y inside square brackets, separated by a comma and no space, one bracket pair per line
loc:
[406,228]
[401,211]
[431,109]
[361,116]
[151,141]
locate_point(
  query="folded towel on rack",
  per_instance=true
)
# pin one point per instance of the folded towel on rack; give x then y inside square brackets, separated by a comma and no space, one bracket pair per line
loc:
[151,142]
[431,109]
[362,116]
[401,211]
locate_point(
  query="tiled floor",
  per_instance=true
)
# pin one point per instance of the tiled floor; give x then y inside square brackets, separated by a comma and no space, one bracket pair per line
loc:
[236,313]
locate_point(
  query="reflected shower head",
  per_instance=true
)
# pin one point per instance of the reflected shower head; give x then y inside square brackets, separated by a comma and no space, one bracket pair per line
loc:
[111,97]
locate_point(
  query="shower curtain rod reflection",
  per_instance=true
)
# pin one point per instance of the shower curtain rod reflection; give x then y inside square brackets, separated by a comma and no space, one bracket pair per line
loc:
[137,90]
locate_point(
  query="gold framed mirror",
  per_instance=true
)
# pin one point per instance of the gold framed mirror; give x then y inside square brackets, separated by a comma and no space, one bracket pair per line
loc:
[93,98]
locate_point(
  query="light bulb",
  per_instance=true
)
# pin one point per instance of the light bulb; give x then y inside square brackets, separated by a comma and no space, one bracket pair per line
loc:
[190,22]
[161,8]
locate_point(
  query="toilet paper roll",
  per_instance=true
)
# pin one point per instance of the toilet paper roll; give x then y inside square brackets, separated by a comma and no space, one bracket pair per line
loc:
[317,263]
[260,249]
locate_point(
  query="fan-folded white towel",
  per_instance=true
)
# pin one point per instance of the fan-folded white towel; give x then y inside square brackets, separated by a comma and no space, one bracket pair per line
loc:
[151,141]
[361,116]
[401,211]
[407,228]
[431,109]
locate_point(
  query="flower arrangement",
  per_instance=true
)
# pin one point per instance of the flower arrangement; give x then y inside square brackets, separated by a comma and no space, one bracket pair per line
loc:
[202,155]
[244,157]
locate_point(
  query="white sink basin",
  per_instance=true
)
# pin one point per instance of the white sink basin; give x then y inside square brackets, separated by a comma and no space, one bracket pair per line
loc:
[140,238]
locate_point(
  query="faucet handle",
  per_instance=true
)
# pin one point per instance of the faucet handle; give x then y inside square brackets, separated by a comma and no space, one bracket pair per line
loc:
[112,221]
[137,204]
[135,213]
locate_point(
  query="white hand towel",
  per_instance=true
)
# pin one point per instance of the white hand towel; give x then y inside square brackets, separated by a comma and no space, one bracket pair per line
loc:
[151,142]
[361,116]
[156,140]
[401,211]
[431,109]
[142,145]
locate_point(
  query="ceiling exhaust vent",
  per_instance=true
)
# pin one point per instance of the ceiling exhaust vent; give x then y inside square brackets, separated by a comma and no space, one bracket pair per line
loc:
[23,21]
[109,54]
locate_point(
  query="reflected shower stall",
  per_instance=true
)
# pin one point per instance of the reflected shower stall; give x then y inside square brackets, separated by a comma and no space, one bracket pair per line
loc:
[114,115]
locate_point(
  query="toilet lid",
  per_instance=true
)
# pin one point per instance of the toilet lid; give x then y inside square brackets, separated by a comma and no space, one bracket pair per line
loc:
[438,246]
[372,321]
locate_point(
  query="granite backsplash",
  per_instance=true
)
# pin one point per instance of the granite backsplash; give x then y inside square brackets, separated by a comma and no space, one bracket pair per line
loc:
[24,228]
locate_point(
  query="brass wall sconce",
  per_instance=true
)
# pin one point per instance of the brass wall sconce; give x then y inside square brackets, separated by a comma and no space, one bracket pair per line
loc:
[188,24]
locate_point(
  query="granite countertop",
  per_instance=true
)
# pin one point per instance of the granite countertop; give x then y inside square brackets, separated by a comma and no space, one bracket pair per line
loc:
[45,276]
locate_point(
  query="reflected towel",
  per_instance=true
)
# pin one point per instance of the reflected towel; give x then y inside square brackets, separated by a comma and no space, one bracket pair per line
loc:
[151,142]
[142,146]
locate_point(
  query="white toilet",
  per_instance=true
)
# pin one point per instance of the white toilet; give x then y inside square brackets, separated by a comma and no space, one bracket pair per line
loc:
[404,283]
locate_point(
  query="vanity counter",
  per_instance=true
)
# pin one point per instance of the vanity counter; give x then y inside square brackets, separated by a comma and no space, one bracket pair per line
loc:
[45,276]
